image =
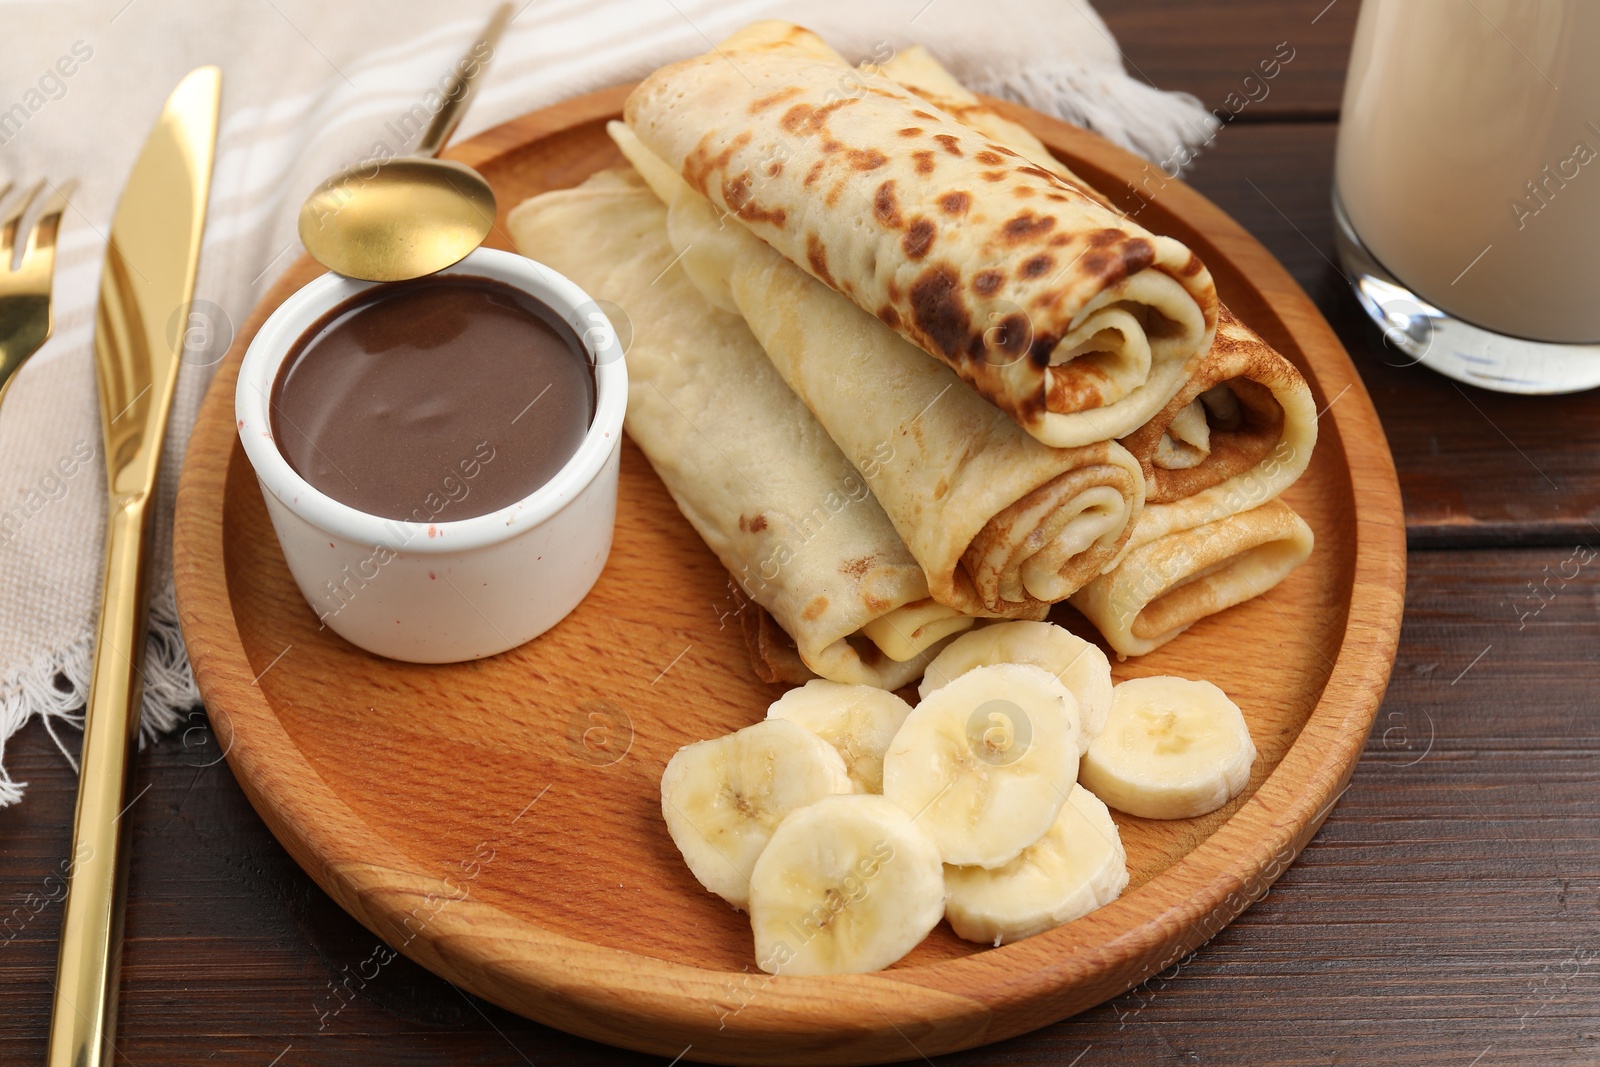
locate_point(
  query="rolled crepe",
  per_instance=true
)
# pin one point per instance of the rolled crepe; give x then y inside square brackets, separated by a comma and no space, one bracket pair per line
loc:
[773,653]
[1223,537]
[1001,524]
[1239,432]
[1244,423]
[1076,322]
[1169,582]
[744,460]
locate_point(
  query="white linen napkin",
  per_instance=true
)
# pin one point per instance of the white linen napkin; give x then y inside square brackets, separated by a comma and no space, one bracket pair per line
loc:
[309,88]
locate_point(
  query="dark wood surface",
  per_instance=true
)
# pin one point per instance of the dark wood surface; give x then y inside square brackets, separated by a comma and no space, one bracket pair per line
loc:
[1448,911]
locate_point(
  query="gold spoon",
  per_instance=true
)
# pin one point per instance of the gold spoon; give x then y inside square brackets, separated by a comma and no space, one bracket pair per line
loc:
[408,216]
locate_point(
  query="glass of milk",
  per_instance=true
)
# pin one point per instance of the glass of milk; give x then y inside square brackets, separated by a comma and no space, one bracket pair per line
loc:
[1467,193]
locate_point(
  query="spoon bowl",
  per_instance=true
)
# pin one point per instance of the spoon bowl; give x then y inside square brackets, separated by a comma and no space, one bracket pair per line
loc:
[397,219]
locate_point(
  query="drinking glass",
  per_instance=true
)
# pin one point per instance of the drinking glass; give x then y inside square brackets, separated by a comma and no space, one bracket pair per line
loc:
[1467,187]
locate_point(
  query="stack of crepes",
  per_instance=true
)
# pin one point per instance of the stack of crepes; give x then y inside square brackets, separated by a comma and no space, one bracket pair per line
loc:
[796,239]
[1217,456]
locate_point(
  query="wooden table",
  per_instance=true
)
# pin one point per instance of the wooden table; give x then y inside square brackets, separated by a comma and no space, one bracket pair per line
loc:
[1447,913]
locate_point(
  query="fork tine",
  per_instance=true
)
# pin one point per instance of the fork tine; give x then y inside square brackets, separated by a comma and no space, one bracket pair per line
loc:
[41,248]
[8,228]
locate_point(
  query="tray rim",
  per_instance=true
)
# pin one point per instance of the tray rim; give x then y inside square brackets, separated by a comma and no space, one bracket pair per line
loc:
[658,1006]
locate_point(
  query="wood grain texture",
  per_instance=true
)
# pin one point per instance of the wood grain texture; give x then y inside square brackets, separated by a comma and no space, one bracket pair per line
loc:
[1476,467]
[1210,49]
[1449,905]
[458,813]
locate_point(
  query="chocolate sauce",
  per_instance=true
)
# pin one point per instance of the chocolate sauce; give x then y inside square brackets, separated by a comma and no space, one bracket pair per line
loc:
[433,400]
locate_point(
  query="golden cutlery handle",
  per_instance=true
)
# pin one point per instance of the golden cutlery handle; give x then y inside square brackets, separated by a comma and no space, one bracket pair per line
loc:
[462,78]
[83,1023]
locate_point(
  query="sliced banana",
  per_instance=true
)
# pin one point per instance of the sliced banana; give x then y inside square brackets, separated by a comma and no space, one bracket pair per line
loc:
[1078,664]
[723,798]
[1171,749]
[985,763]
[859,721]
[1077,867]
[846,885]
[1187,440]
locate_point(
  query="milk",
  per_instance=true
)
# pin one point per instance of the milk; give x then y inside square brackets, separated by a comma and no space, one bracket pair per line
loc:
[1469,158]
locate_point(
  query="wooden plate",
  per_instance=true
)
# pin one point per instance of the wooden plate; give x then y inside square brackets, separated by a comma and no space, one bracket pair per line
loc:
[499,821]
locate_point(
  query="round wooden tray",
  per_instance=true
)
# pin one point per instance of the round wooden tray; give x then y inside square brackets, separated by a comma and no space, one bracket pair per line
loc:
[499,821]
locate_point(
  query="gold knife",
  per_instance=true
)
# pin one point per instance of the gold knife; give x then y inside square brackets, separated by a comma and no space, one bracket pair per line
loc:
[148,279]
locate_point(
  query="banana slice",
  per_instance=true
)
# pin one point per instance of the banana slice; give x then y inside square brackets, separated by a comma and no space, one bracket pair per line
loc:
[984,764]
[1172,749]
[847,885]
[1078,664]
[1072,870]
[723,798]
[859,721]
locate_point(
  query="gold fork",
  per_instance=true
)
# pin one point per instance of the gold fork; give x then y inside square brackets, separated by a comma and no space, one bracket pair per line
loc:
[25,320]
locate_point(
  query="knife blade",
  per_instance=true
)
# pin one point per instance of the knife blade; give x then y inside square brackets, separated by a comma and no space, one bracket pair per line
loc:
[147,280]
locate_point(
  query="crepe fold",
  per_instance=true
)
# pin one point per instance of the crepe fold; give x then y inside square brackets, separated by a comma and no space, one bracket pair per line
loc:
[1001,524]
[1239,432]
[1074,321]
[745,461]
[1168,583]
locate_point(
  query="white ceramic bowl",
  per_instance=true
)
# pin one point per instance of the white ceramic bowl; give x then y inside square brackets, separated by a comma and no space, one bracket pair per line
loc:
[447,591]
